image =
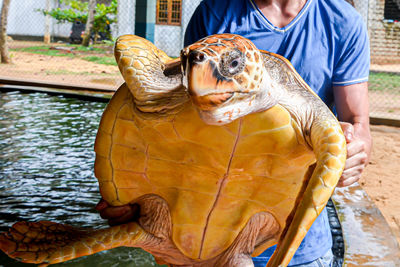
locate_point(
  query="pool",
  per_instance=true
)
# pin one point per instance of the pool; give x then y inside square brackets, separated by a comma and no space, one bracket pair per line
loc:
[46,173]
[46,169]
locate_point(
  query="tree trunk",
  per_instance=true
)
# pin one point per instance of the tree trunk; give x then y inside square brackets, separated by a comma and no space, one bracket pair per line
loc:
[47,25]
[89,22]
[5,57]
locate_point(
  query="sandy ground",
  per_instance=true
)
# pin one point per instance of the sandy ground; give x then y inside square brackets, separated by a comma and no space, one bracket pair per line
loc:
[380,180]
[61,69]
[57,69]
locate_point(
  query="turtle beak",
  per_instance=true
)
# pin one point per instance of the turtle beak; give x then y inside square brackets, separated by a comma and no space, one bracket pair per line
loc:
[208,89]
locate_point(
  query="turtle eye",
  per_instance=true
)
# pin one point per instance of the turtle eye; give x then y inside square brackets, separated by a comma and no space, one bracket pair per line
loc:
[232,63]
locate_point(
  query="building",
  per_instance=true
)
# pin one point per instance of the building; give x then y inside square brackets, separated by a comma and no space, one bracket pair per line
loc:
[164,21]
[25,20]
[160,21]
[384,31]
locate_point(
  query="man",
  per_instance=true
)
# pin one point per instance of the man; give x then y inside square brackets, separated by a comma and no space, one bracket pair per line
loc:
[327,43]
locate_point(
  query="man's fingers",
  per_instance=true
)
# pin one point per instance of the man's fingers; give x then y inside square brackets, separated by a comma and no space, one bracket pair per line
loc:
[114,212]
[355,147]
[127,217]
[101,205]
[350,176]
[117,215]
[359,159]
[356,154]
[349,181]
[354,171]
[355,163]
[131,215]
[348,131]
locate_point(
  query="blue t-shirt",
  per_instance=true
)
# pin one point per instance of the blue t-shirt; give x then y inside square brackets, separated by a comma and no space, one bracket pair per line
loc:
[326,42]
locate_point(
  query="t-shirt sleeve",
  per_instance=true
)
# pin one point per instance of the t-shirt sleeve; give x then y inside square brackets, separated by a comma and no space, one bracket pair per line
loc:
[203,22]
[352,64]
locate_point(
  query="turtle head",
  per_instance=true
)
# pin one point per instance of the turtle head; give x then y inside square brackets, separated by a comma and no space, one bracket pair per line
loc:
[224,75]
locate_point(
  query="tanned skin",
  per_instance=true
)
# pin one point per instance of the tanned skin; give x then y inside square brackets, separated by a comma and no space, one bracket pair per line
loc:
[353,110]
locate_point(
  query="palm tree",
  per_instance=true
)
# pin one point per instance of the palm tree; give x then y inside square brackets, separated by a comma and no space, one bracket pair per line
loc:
[89,22]
[5,57]
[47,25]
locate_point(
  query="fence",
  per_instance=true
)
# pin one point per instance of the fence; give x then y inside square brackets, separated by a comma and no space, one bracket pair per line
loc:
[164,22]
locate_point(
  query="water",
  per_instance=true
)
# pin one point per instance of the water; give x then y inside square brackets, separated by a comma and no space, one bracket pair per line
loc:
[46,169]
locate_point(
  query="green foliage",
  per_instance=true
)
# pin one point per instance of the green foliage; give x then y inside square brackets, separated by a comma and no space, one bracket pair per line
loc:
[78,11]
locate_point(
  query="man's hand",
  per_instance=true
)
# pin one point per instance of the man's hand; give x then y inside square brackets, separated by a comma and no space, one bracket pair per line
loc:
[358,152]
[117,215]
[352,106]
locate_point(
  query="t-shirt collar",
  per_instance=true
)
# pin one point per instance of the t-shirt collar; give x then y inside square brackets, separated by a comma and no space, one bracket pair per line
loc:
[302,12]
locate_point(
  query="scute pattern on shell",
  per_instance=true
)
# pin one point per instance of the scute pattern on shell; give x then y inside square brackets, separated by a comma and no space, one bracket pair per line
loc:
[252,165]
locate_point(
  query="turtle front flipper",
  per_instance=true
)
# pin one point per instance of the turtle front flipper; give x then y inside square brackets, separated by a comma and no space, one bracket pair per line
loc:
[49,243]
[154,79]
[329,146]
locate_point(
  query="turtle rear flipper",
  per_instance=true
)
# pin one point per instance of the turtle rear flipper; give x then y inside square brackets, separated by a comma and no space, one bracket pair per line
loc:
[49,243]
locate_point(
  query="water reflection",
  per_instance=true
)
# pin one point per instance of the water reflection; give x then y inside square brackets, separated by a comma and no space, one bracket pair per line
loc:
[46,169]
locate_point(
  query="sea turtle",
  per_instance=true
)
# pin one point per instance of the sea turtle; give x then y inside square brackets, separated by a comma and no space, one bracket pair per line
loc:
[226,150]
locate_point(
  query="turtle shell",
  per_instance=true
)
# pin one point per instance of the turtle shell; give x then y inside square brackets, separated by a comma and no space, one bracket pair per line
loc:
[213,178]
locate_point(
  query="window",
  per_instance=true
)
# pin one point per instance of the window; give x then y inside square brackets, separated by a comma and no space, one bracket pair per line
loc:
[392,10]
[169,12]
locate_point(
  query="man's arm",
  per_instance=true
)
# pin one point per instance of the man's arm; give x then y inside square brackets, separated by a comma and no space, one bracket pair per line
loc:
[352,106]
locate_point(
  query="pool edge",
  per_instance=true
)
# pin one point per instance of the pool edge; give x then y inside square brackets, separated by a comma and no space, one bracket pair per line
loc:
[368,238]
